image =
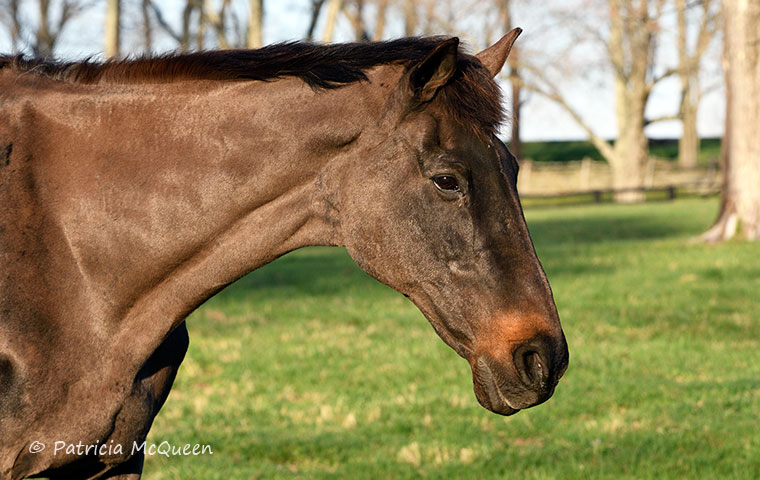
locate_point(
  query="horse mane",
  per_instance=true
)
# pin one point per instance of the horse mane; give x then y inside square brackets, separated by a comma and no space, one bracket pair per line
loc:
[471,96]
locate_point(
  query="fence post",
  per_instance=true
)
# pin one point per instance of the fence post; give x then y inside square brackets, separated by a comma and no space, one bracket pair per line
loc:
[649,175]
[671,192]
[526,168]
[585,173]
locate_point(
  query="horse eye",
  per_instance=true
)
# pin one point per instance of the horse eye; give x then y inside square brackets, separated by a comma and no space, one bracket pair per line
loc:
[446,183]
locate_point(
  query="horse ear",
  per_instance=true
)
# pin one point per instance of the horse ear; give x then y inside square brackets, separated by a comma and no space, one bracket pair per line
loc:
[493,57]
[432,72]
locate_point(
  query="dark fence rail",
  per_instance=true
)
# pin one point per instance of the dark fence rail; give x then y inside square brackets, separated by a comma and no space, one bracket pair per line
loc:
[670,192]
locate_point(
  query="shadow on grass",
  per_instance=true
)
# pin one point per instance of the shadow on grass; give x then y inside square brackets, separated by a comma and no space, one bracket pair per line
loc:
[325,271]
[317,271]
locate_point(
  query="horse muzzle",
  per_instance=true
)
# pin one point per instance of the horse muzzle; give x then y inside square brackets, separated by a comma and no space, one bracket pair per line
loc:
[524,376]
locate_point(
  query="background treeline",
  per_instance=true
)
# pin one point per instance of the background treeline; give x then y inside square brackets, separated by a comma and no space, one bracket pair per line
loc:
[575,53]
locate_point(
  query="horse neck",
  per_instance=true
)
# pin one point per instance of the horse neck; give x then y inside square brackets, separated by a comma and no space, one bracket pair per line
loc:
[186,204]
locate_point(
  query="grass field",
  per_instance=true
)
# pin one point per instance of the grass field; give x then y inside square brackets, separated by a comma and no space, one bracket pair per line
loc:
[308,368]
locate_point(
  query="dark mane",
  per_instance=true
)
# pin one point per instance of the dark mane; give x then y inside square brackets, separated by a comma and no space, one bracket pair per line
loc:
[471,97]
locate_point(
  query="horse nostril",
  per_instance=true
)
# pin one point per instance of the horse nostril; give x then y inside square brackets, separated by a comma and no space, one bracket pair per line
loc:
[532,366]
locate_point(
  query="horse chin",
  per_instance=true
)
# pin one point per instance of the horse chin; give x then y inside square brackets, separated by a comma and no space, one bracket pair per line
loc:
[490,397]
[500,407]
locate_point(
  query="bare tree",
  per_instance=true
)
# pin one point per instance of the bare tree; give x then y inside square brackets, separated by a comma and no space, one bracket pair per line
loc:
[354,11]
[740,210]
[255,23]
[113,28]
[50,29]
[689,63]
[411,18]
[147,26]
[184,35]
[10,16]
[382,8]
[630,49]
[333,9]
[217,19]
[515,144]
[316,8]
[41,37]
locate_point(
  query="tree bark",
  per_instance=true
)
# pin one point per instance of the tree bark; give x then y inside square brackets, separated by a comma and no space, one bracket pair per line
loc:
[410,17]
[356,17]
[630,48]
[316,7]
[48,30]
[333,9]
[515,143]
[217,20]
[12,19]
[688,144]
[689,60]
[113,29]
[45,40]
[147,26]
[255,22]
[187,12]
[740,212]
[631,149]
[382,6]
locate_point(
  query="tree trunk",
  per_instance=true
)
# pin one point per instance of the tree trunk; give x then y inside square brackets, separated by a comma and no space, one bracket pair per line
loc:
[187,12]
[316,7]
[382,6]
[217,19]
[147,26]
[45,40]
[740,211]
[725,225]
[688,144]
[14,23]
[113,29]
[515,144]
[631,151]
[688,71]
[200,34]
[410,17]
[333,9]
[255,18]
[630,47]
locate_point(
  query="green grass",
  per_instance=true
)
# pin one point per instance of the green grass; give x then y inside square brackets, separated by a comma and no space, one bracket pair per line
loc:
[308,368]
[576,150]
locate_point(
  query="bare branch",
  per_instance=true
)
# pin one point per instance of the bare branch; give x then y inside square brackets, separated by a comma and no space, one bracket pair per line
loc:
[216,19]
[177,36]
[553,94]
[316,7]
[663,118]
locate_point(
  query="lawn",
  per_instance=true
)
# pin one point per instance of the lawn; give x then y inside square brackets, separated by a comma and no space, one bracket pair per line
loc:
[309,368]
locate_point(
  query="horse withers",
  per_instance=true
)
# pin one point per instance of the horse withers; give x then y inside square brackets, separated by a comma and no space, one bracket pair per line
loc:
[132,191]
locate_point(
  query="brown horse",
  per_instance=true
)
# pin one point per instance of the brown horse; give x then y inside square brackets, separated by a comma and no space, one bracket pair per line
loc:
[133,191]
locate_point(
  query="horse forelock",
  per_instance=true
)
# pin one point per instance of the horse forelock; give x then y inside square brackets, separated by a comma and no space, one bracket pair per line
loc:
[471,97]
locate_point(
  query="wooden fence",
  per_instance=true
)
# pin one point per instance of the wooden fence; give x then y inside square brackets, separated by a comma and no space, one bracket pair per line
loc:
[593,180]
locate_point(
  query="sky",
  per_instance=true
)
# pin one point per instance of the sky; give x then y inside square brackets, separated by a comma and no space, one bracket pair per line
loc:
[590,93]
